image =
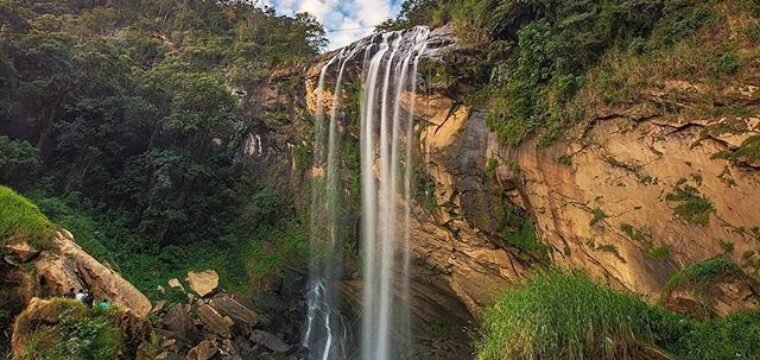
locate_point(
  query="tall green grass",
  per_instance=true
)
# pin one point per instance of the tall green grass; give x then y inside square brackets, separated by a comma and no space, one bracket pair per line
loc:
[565,316]
[21,220]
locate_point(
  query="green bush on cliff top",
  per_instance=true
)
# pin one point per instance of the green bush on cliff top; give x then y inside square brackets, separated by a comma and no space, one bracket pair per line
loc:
[20,220]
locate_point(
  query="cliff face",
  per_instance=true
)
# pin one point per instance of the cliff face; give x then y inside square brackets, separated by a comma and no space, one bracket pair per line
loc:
[631,195]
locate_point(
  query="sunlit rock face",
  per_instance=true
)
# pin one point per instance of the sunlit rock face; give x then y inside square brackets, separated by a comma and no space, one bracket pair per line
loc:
[67,266]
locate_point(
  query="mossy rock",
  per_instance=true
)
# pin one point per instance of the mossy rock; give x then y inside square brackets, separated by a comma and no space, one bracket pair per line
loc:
[697,290]
[65,329]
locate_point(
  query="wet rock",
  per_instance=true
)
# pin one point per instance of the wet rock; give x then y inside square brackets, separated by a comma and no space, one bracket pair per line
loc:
[269,340]
[203,283]
[214,322]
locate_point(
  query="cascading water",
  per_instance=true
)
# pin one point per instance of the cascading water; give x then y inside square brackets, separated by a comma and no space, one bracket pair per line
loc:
[389,72]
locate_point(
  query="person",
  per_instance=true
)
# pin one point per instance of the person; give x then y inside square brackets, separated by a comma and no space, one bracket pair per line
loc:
[104,305]
[80,295]
[70,294]
[89,300]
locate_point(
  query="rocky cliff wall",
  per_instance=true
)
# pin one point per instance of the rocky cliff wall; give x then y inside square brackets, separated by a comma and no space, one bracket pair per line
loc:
[631,195]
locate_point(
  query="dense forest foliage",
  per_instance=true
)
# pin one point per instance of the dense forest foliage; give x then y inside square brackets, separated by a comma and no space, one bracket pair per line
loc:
[543,65]
[121,120]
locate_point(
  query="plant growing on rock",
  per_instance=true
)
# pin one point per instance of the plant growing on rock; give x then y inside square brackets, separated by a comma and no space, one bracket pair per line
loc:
[692,208]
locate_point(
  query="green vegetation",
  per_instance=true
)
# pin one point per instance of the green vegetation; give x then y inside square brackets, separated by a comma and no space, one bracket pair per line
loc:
[547,63]
[19,162]
[700,275]
[517,229]
[647,241]
[568,316]
[565,160]
[123,121]
[491,168]
[692,208]
[561,316]
[20,220]
[66,329]
[599,215]
[749,151]
[84,228]
[424,187]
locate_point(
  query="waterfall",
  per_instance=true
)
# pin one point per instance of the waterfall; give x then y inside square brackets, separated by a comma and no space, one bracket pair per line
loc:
[389,72]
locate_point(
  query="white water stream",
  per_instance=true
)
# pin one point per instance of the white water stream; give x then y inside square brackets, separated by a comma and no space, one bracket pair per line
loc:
[386,130]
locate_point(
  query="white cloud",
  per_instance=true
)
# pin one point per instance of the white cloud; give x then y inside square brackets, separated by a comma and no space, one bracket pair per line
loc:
[345,20]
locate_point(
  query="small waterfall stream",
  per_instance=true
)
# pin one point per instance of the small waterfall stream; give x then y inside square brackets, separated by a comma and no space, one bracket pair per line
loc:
[389,71]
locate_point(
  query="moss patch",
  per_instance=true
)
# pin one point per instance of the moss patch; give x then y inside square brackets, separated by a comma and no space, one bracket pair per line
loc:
[652,250]
[21,220]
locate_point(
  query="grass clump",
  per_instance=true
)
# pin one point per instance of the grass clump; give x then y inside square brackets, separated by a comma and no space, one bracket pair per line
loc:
[65,329]
[749,151]
[729,338]
[21,220]
[565,316]
[701,274]
[693,208]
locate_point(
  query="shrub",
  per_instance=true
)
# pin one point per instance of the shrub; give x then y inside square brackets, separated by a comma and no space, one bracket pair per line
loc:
[19,161]
[65,329]
[21,220]
[701,274]
[86,230]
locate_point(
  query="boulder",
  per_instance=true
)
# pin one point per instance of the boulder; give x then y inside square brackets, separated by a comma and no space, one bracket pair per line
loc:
[244,317]
[169,356]
[203,283]
[179,324]
[270,341]
[175,284]
[205,350]
[20,252]
[214,322]
[72,267]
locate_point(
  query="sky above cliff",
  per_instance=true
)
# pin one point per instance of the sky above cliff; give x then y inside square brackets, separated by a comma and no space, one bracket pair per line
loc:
[344,20]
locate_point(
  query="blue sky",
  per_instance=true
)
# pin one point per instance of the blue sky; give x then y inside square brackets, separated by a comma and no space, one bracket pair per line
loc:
[342,15]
